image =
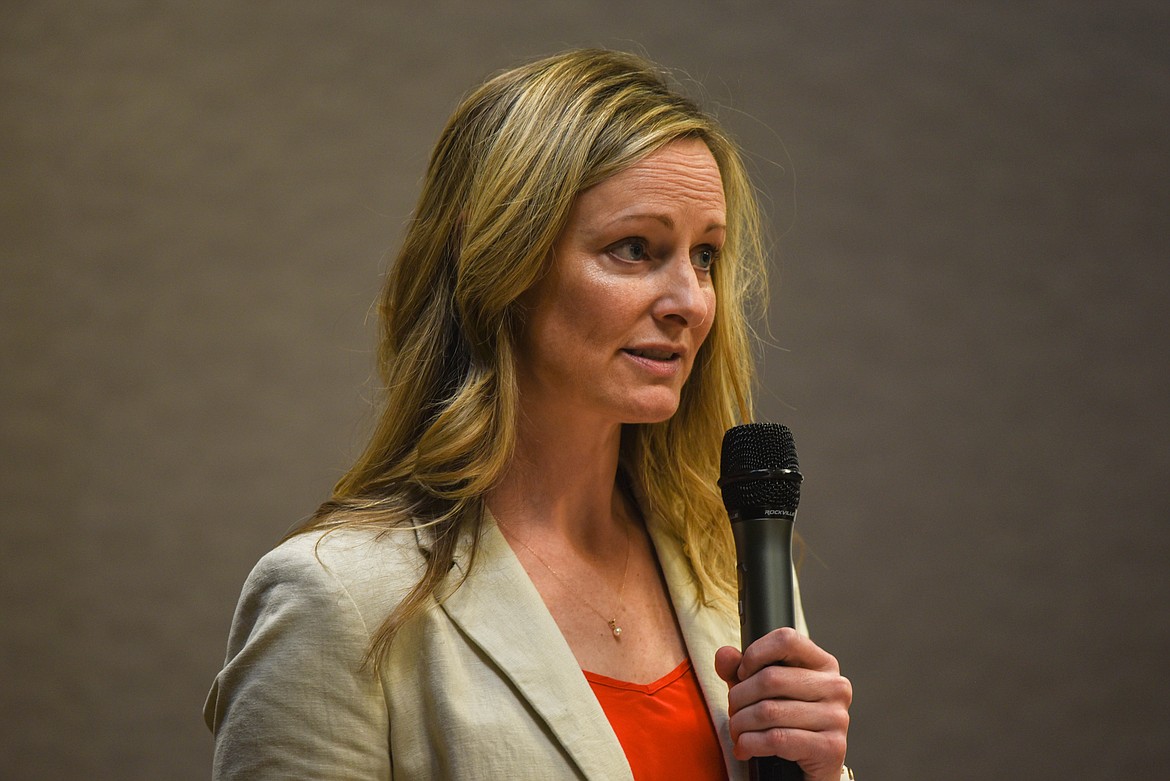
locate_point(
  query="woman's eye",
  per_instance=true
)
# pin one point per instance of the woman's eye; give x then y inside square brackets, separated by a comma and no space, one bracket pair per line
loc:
[704,257]
[630,249]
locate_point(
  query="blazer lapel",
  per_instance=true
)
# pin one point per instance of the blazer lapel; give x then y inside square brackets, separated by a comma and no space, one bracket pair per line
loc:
[705,630]
[502,613]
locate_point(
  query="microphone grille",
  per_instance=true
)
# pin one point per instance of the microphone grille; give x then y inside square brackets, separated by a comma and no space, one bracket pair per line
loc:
[759,446]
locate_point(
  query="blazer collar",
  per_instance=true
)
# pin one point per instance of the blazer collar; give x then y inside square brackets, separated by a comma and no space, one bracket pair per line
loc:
[501,612]
[705,629]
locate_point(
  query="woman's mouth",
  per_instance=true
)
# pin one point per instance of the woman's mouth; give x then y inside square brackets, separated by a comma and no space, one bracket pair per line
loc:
[653,355]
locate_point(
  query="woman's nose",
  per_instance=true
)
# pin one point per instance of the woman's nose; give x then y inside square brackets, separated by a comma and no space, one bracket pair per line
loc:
[685,295]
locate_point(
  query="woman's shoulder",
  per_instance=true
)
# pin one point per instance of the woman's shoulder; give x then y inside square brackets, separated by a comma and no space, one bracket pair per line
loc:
[372,567]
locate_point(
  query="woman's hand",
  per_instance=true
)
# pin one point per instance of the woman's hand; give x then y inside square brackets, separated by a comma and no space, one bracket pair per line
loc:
[787,699]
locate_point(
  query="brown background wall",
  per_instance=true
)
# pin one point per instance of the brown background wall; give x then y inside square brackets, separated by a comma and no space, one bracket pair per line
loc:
[970,342]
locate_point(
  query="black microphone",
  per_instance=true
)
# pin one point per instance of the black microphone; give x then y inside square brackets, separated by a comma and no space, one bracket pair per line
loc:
[760,483]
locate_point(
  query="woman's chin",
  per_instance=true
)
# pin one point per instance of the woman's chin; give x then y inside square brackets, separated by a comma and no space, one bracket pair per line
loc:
[656,410]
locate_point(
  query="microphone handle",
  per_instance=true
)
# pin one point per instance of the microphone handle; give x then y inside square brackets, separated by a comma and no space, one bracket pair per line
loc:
[763,548]
[773,769]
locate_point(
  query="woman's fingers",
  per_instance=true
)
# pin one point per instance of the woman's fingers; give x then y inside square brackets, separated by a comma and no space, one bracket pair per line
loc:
[787,698]
[793,684]
[727,661]
[785,646]
[764,715]
[819,754]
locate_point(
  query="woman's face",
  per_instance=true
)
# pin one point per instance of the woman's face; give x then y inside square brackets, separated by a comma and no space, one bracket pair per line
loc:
[612,329]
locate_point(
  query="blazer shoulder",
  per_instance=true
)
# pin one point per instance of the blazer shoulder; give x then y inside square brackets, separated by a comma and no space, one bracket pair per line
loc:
[373,569]
[294,699]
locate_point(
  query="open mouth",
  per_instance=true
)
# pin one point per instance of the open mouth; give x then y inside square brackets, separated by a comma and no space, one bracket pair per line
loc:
[653,355]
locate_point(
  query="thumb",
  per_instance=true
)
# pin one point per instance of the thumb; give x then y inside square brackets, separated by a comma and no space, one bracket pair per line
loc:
[727,661]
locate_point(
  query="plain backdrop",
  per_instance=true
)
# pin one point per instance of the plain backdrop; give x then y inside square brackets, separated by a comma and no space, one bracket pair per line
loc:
[968,205]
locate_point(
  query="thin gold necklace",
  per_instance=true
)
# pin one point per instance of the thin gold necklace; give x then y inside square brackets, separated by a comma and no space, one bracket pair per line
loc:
[613,624]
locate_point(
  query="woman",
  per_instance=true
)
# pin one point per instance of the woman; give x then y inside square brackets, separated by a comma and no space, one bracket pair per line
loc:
[529,573]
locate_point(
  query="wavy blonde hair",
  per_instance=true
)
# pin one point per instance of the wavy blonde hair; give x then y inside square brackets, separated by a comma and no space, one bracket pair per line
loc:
[497,193]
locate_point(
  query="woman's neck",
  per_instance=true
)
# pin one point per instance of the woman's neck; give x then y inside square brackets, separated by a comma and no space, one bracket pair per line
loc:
[562,482]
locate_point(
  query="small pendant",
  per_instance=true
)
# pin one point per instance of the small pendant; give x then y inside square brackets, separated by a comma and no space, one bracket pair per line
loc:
[617,630]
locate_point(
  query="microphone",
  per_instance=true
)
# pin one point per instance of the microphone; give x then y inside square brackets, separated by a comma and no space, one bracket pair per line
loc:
[760,483]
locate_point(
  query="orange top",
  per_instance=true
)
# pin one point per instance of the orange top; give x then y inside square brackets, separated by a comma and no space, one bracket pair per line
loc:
[663,726]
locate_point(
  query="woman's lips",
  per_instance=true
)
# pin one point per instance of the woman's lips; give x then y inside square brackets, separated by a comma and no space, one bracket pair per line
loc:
[660,363]
[654,354]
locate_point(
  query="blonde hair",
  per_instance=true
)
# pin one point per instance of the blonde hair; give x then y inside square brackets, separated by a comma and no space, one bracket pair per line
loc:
[497,193]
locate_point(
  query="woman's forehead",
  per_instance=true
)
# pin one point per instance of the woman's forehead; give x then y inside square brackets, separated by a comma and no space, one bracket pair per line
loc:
[680,178]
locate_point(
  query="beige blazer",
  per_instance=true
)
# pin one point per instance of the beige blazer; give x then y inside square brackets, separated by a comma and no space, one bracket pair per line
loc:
[483,686]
